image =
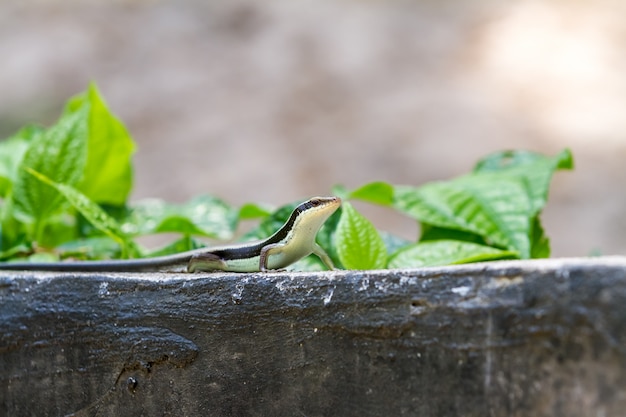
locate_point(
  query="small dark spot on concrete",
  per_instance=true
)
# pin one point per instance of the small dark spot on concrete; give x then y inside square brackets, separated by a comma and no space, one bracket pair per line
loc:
[419,303]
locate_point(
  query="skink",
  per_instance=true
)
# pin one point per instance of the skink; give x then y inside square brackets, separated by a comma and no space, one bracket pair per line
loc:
[292,242]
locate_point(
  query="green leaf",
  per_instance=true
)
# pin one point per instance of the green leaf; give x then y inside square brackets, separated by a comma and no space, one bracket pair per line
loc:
[202,216]
[497,210]
[512,160]
[59,154]
[498,201]
[430,232]
[375,192]
[532,169]
[254,211]
[57,230]
[540,243]
[43,257]
[14,252]
[309,263]
[108,174]
[184,244]
[359,245]
[179,224]
[12,151]
[394,243]
[272,223]
[101,247]
[326,239]
[446,252]
[13,232]
[90,210]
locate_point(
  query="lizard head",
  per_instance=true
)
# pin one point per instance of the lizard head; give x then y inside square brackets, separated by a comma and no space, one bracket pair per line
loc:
[314,212]
[319,206]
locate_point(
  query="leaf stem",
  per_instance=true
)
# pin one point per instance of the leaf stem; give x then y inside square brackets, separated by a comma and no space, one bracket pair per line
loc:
[39,227]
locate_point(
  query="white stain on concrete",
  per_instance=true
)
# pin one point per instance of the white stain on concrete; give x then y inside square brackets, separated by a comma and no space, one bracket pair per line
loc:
[462,291]
[329,295]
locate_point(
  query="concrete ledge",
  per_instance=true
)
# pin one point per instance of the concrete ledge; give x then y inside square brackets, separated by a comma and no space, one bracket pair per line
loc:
[532,338]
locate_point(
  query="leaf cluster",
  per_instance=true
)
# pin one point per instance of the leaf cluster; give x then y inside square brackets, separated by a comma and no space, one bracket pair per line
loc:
[489,214]
[65,192]
[492,213]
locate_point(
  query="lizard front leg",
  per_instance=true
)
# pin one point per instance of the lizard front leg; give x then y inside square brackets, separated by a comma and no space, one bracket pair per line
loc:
[321,253]
[266,251]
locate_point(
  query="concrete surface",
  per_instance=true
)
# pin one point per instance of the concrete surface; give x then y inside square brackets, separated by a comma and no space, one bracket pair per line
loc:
[533,338]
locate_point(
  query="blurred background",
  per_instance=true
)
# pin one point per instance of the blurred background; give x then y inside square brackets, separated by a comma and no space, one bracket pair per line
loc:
[279,100]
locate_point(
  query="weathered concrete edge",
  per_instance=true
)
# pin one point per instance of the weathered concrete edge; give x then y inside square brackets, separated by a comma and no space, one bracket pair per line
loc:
[426,272]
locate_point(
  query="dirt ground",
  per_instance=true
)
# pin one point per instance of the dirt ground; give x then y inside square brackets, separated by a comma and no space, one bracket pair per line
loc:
[279,100]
